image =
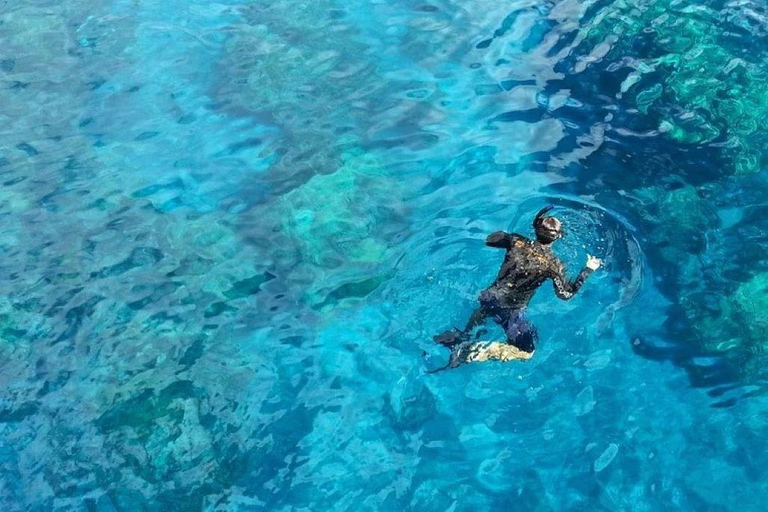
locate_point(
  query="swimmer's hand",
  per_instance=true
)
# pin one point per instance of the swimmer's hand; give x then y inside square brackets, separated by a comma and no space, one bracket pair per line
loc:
[593,263]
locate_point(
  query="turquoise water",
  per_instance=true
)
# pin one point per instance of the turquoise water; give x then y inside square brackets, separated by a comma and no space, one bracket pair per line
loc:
[230,231]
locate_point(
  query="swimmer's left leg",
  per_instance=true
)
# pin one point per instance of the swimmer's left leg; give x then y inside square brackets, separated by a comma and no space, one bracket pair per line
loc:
[477,318]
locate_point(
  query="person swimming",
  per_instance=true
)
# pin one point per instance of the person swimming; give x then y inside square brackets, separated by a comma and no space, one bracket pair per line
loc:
[527,265]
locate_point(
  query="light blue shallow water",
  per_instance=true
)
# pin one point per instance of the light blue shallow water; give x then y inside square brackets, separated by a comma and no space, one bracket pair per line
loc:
[230,231]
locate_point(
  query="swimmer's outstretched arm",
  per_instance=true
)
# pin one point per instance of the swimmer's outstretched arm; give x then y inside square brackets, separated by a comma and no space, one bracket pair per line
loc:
[565,289]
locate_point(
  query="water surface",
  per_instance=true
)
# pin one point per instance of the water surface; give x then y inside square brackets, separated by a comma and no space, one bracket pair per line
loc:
[230,231]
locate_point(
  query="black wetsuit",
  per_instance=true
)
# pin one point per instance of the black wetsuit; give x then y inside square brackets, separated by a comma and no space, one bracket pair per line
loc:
[527,265]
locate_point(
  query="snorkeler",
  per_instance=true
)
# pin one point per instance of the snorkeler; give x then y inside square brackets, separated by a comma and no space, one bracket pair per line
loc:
[527,265]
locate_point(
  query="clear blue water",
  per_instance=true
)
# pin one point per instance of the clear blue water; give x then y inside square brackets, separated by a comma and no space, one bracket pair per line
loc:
[230,230]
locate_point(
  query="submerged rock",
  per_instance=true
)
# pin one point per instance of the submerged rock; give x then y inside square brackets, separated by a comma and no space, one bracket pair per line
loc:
[333,233]
[739,327]
[411,403]
[330,216]
[605,458]
[690,70]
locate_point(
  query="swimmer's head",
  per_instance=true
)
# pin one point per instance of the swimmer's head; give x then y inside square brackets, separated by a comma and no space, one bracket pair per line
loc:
[548,229]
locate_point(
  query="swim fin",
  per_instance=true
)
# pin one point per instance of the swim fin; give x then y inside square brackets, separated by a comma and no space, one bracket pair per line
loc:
[450,338]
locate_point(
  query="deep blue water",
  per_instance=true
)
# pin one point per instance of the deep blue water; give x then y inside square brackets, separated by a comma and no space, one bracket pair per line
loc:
[230,230]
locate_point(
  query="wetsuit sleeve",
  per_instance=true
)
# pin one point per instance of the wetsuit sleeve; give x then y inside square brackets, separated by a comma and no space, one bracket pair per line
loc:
[565,289]
[500,239]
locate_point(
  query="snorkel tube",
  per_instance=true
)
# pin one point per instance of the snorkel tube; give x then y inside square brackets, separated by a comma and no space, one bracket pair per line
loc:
[539,219]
